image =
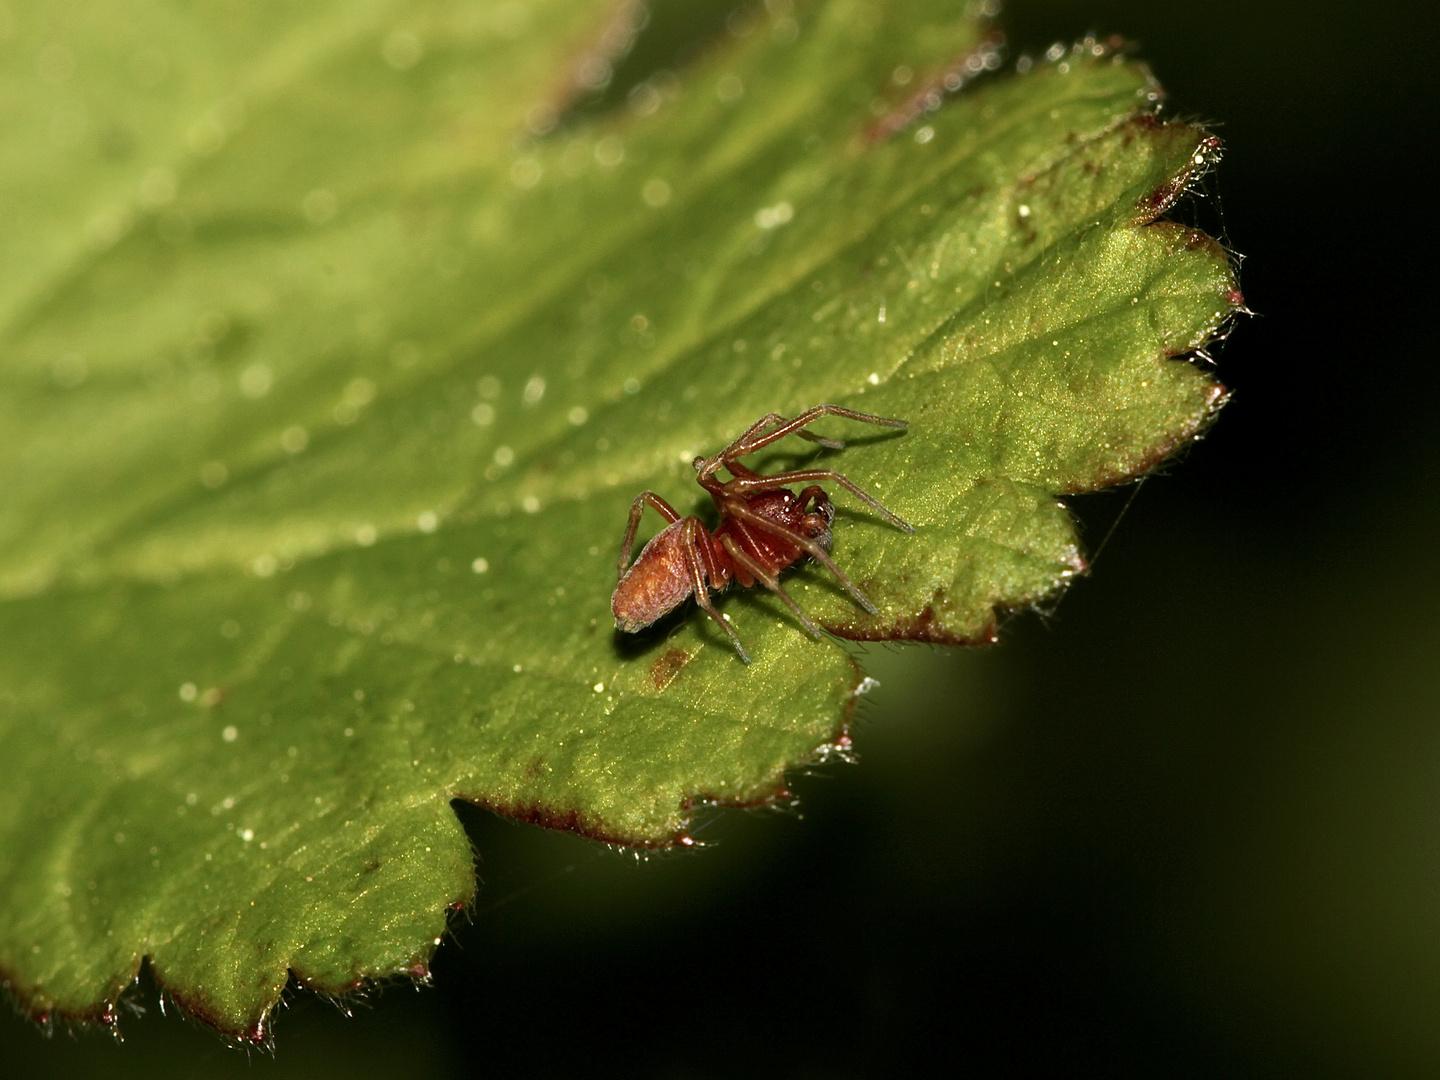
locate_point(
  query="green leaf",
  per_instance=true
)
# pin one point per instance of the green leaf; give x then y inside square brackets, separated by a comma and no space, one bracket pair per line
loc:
[334,352]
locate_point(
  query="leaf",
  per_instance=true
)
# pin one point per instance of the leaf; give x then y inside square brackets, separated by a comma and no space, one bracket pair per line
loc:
[327,388]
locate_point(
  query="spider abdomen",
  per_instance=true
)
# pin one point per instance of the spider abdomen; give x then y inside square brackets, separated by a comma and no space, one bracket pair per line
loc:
[662,579]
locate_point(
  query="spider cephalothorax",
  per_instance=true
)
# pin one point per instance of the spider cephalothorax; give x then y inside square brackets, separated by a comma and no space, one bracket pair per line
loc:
[764,528]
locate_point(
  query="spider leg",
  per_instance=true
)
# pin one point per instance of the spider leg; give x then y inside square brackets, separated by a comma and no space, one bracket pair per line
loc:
[750,441]
[770,581]
[737,509]
[764,422]
[693,560]
[755,437]
[644,499]
[734,449]
[779,480]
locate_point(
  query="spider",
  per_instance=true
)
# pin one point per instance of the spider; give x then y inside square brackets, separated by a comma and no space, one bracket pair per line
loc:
[764,528]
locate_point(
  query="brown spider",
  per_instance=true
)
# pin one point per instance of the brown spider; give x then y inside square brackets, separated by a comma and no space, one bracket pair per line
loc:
[764,527]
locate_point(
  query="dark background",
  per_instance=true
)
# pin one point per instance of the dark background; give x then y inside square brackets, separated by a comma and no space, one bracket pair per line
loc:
[1188,825]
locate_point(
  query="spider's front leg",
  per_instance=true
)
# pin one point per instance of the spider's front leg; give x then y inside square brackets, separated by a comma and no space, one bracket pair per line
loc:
[756,437]
[752,440]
